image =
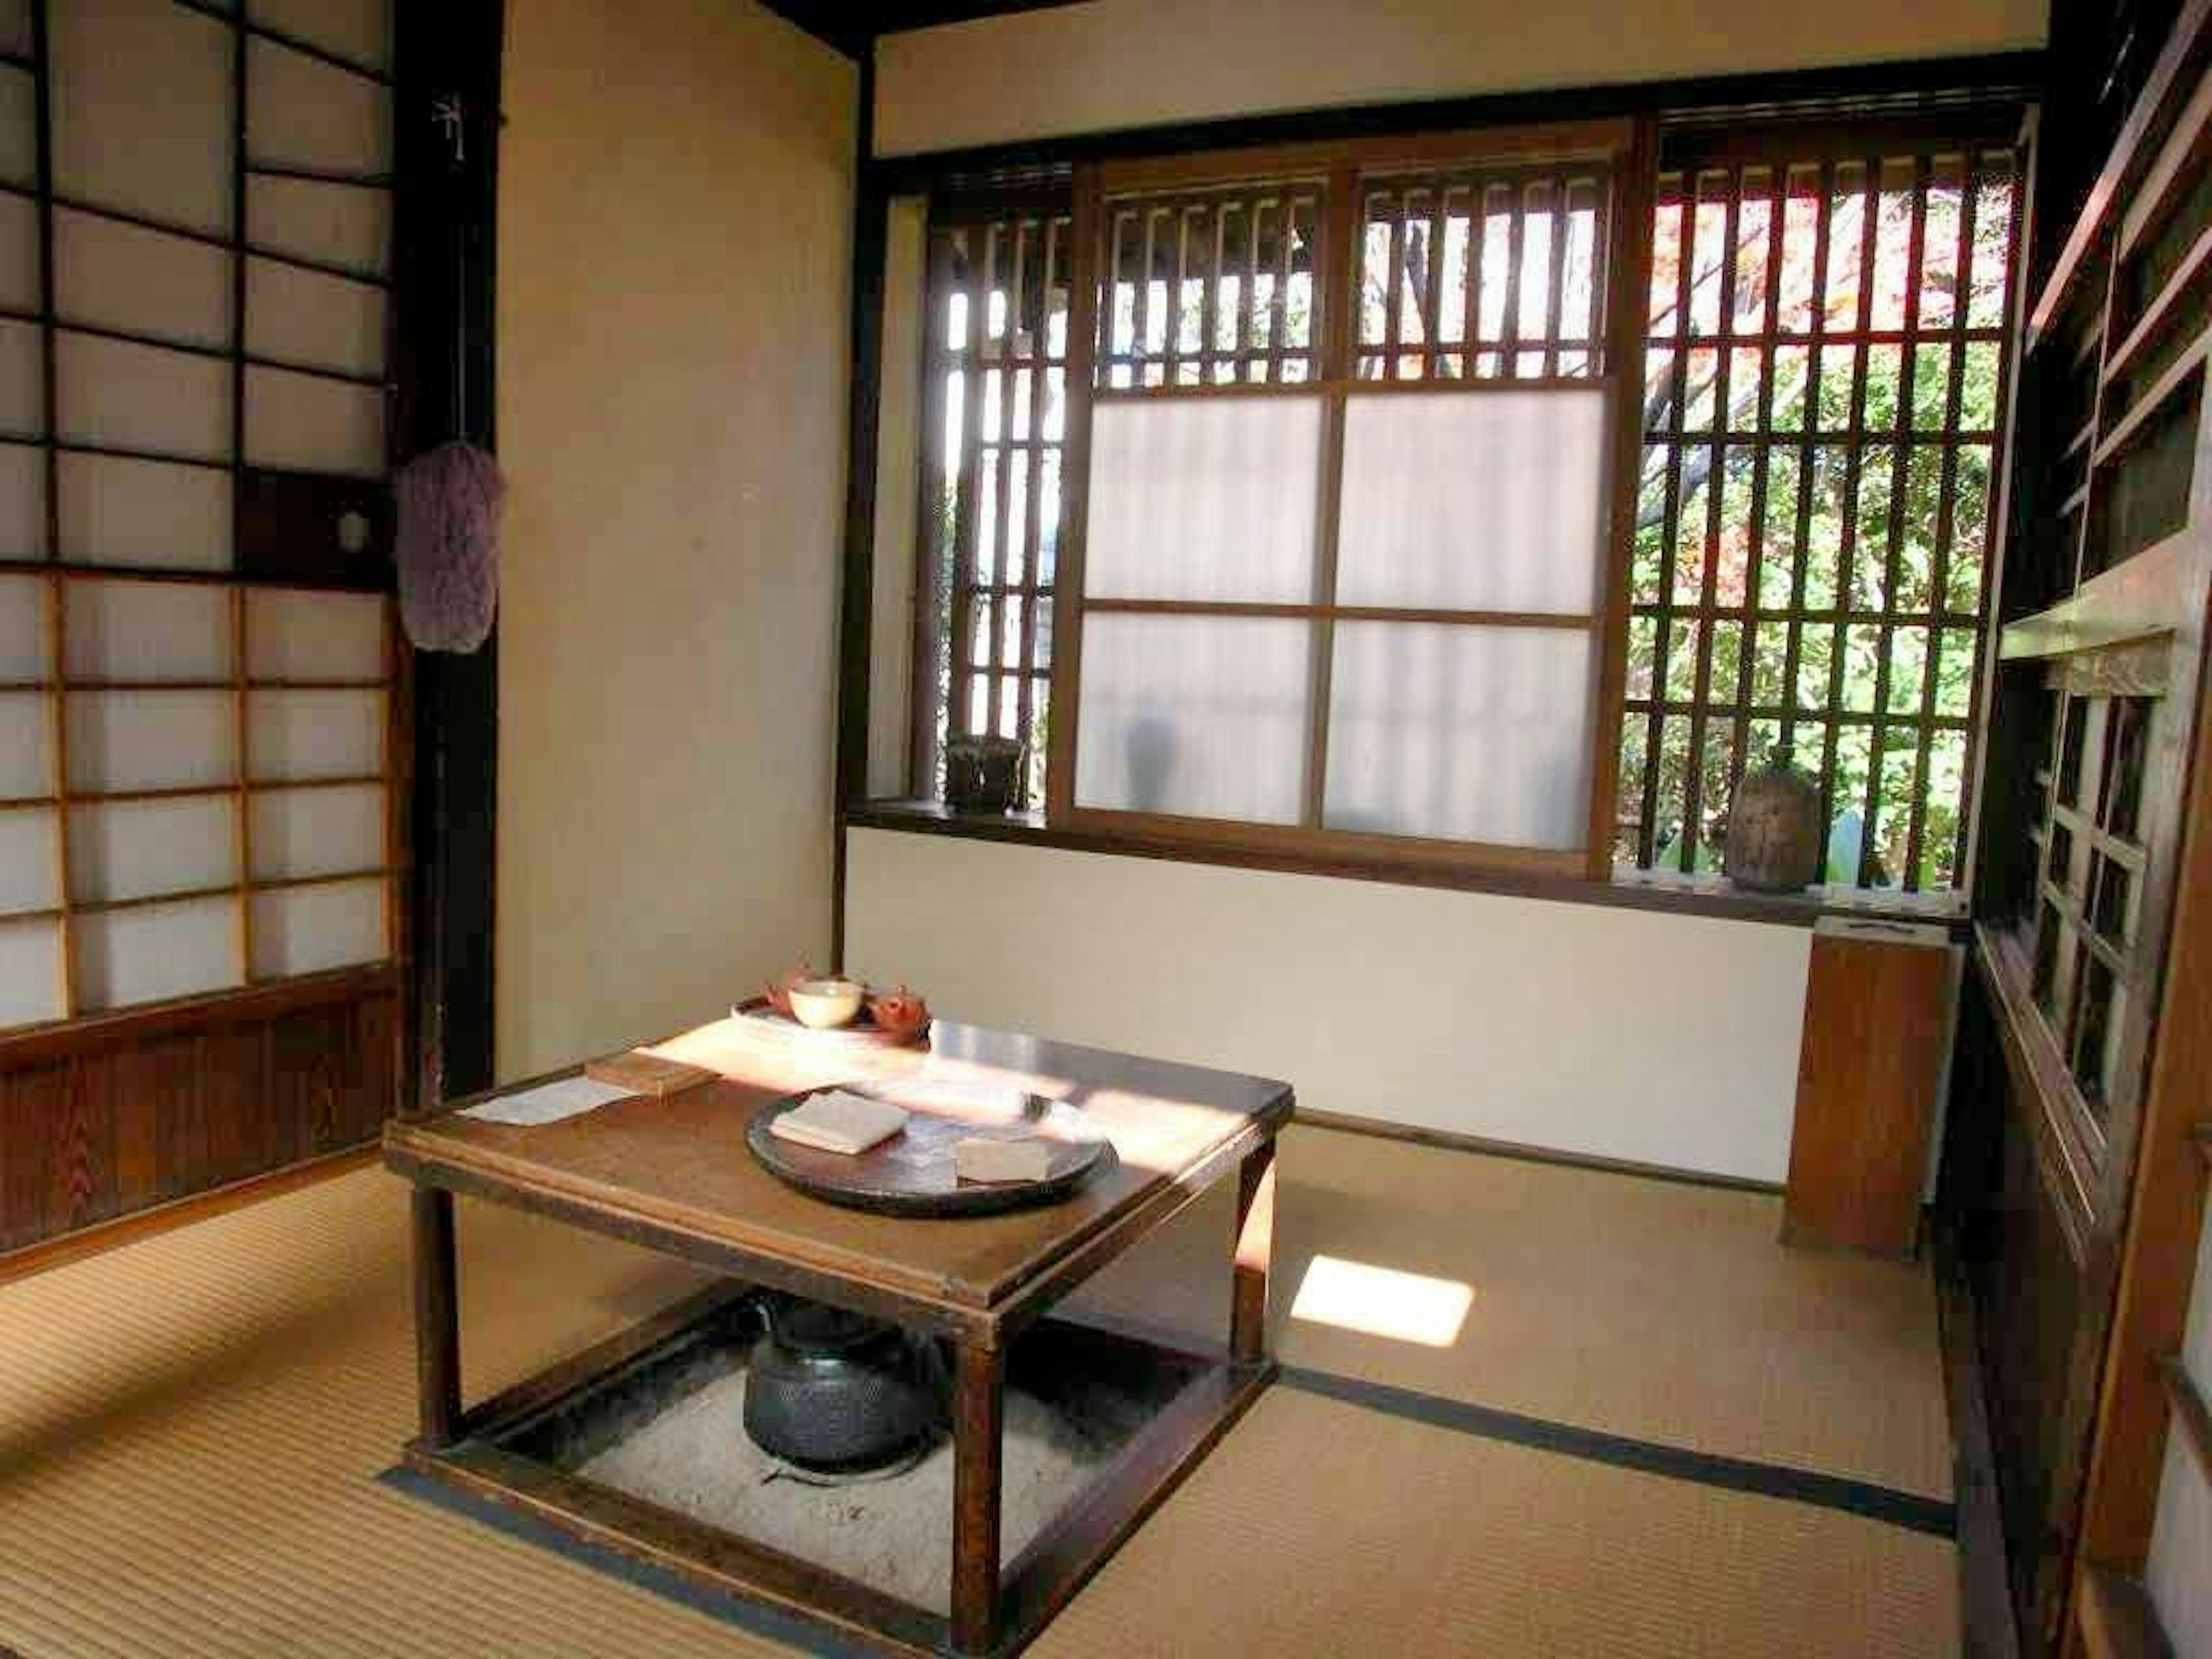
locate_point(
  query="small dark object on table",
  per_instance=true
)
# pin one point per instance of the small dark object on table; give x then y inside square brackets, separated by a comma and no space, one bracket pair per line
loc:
[983,775]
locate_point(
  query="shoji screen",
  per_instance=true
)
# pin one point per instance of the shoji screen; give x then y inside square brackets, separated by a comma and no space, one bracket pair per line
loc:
[195,767]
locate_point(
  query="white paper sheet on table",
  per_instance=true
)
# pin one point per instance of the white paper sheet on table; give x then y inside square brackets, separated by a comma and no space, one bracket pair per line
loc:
[548,1102]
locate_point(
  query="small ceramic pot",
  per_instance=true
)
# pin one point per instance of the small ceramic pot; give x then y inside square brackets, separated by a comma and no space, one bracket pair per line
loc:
[824,1004]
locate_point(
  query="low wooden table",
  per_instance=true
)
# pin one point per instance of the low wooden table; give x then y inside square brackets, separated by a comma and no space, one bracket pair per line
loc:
[675,1175]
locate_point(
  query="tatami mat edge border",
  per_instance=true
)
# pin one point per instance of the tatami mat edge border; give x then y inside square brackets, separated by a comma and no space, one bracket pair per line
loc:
[1875,1502]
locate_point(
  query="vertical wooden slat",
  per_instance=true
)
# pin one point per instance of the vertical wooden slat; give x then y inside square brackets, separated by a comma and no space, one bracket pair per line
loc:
[1432,296]
[1278,302]
[939,474]
[1393,303]
[243,799]
[1555,301]
[1516,231]
[49,293]
[1142,350]
[1815,327]
[1762,427]
[1033,588]
[1847,547]
[1248,321]
[1939,574]
[1620,307]
[1670,522]
[1893,569]
[999,571]
[1084,240]
[58,787]
[1171,354]
[1209,295]
[1693,781]
[1854,459]
[965,514]
[1342,242]
[1478,221]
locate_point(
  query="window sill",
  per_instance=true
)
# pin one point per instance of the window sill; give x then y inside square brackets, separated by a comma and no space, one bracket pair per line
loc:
[1643,891]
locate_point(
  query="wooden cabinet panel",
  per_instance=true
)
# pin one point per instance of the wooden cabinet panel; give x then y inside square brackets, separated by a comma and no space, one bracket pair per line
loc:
[98,1122]
[1877,1015]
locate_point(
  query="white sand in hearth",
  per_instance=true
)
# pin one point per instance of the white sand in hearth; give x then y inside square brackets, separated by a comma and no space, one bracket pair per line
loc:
[893,1534]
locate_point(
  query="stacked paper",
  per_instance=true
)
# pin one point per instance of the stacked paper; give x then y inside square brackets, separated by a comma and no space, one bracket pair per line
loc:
[838,1120]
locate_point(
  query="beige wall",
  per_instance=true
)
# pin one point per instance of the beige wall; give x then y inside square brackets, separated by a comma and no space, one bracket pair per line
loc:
[674,253]
[1656,1038]
[1114,63]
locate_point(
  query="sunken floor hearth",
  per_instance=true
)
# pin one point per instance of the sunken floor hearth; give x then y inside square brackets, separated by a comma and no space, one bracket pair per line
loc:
[669,1429]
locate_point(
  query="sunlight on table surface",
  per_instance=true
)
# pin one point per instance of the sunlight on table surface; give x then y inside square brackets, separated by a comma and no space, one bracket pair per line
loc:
[1383,1302]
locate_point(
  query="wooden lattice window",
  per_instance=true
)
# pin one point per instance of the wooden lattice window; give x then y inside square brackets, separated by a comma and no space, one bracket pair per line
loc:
[1824,383]
[995,415]
[1212,287]
[1483,274]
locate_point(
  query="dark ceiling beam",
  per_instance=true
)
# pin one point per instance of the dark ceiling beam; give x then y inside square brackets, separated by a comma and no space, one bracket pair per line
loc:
[853,29]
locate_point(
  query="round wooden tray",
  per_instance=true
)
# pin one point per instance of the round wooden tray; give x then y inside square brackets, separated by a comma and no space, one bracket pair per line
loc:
[756,1015]
[912,1175]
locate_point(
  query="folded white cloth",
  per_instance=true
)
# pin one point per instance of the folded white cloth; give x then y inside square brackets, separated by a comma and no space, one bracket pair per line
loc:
[980,1157]
[838,1120]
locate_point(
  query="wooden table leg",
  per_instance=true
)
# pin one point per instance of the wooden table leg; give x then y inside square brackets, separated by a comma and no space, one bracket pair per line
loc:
[1255,1249]
[437,1316]
[978,1414]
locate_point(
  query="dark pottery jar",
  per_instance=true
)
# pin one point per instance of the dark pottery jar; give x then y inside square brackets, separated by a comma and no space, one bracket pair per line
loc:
[836,1391]
[982,773]
[1774,830]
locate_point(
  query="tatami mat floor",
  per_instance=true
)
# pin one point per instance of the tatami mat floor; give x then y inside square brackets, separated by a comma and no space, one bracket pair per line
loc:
[191,1428]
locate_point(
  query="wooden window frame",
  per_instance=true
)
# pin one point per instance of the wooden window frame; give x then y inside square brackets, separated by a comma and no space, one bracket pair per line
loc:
[1341,170]
[1875,155]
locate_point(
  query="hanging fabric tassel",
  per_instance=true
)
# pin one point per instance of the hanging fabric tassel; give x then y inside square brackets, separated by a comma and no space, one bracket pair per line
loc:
[447,546]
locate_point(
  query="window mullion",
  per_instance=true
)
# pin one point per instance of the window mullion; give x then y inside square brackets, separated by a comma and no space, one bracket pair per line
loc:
[1086,230]
[1338,259]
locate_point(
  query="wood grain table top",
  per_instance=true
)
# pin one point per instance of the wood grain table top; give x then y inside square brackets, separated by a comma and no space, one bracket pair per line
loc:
[678,1167]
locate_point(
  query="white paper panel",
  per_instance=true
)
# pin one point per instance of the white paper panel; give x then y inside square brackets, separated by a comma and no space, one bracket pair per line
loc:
[1460,733]
[19,253]
[302,113]
[123,276]
[1203,498]
[22,502]
[24,653]
[1198,716]
[25,745]
[314,425]
[304,930]
[30,973]
[145,512]
[1479,501]
[151,739]
[131,849]
[138,397]
[358,30]
[19,130]
[295,634]
[155,630]
[30,859]
[305,317]
[142,109]
[316,832]
[125,956]
[293,735]
[335,223]
[22,380]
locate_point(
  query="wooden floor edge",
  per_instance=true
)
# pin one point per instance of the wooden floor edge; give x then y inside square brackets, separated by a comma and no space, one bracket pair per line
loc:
[105,1236]
[1988,1626]
[1451,1141]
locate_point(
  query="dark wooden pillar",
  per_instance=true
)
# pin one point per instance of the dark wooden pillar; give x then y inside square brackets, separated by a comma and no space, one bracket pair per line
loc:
[437,1316]
[978,1419]
[1255,1251]
[446,150]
